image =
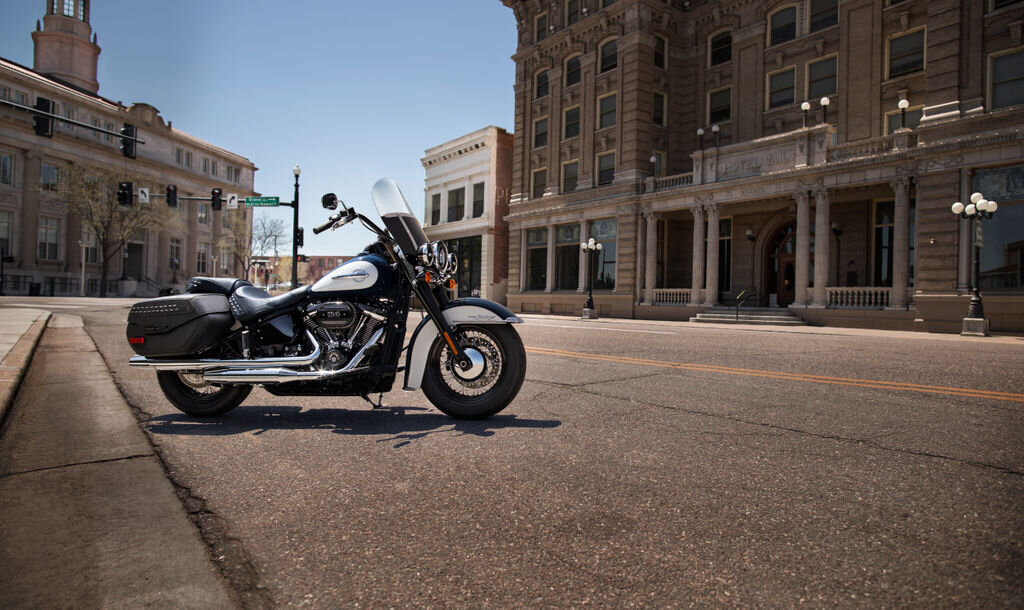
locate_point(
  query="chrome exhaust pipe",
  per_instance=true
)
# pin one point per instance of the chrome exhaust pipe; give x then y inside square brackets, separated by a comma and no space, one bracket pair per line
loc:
[205,364]
[281,375]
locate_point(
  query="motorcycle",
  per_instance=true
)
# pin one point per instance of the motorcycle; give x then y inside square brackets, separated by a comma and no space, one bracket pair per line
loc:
[342,336]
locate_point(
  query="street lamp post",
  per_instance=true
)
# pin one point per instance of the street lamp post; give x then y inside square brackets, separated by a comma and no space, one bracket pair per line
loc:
[295,230]
[977,210]
[715,129]
[804,107]
[591,249]
[824,109]
[81,284]
[903,105]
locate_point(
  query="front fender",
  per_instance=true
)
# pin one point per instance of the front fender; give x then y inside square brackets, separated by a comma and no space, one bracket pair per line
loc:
[457,312]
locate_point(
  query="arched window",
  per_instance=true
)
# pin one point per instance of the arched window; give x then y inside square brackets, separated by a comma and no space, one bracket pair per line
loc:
[609,56]
[720,48]
[782,26]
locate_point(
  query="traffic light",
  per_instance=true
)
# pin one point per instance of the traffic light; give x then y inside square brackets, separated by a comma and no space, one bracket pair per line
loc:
[303,258]
[124,193]
[43,125]
[128,140]
[172,196]
[299,234]
[215,198]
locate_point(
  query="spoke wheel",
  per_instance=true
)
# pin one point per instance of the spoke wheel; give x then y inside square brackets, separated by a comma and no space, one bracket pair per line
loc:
[497,368]
[191,394]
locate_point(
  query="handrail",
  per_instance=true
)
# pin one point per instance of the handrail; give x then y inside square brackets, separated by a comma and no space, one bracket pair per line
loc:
[740,299]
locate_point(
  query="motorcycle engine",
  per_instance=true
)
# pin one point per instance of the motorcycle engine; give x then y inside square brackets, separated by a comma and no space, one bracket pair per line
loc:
[342,327]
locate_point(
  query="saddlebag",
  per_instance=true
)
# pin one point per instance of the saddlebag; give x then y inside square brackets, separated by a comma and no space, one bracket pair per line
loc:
[180,325]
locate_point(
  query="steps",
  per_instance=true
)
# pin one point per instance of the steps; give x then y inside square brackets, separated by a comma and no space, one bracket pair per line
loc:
[768,316]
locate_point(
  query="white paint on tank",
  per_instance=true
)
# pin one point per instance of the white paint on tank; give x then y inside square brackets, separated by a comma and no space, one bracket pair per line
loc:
[353,275]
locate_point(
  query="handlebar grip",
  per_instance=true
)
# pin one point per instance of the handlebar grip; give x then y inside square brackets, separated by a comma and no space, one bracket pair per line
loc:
[325,226]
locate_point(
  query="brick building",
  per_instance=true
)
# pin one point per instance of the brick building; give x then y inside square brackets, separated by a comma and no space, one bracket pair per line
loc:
[801,153]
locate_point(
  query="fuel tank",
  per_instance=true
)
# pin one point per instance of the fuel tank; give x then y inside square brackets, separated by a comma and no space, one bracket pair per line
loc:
[365,275]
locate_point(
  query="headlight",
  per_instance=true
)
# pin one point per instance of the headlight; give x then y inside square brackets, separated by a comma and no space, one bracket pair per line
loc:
[425,255]
[453,263]
[440,253]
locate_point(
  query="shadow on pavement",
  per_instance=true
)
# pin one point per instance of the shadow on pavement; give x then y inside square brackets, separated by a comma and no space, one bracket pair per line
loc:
[401,424]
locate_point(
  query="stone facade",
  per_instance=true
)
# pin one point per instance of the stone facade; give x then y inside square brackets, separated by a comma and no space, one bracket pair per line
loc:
[31,212]
[467,191]
[700,129]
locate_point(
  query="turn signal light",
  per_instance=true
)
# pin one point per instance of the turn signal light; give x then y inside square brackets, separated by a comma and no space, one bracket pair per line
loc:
[428,278]
[136,339]
[451,284]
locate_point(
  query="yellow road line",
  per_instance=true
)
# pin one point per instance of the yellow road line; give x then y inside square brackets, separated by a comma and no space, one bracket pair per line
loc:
[711,368]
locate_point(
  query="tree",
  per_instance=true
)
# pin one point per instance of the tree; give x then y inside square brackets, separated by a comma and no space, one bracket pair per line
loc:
[91,194]
[269,234]
[239,239]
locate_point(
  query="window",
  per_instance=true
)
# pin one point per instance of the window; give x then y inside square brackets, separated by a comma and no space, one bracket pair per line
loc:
[206,165]
[571,122]
[821,78]
[541,27]
[478,200]
[824,14]
[69,114]
[906,54]
[609,56]
[660,48]
[605,233]
[570,176]
[997,4]
[203,213]
[914,116]
[658,115]
[572,71]
[567,257]
[107,136]
[572,11]
[1001,264]
[49,235]
[536,259]
[469,252]
[69,8]
[178,156]
[174,255]
[539,181]
[1007,80]
[456,204]
[225,259]
[6,226]
[81,10]
[605,168]
[188,159]
[96,124]
[659,163]
[607,3]
[5,93]
[783,26]
[606,108]
[720,48]
[720,106]
[49,177]
[6,169]
[213,168]
[882,244]
[21,98]
[540,133]
[92,252]
[780,88]
[540,88]
[202,258]
[435,209]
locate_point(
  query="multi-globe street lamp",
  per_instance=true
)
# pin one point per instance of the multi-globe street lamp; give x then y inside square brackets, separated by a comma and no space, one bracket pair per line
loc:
[295,230]
[591,249]
[978,209]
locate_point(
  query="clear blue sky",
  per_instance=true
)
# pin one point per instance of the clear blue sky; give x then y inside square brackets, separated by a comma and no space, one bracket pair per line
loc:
[350,90]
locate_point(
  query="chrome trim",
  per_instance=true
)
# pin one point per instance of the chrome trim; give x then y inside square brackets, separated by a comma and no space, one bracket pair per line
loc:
[344,276]
[206,364]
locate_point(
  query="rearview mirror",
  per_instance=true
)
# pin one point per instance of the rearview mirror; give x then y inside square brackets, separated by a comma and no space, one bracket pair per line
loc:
[329,201]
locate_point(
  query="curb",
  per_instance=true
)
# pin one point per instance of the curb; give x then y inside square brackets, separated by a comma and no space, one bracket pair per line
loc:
[15,363]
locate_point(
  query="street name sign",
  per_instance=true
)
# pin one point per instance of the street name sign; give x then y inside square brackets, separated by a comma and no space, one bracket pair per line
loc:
[259,202]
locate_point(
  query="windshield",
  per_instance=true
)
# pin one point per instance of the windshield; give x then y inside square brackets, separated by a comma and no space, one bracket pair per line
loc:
[398,218]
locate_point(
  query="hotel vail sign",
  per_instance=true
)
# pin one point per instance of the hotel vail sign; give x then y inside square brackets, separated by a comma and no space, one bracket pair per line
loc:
[755,163]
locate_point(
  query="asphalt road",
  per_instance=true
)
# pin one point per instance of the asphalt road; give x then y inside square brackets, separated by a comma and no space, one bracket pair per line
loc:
[643,464]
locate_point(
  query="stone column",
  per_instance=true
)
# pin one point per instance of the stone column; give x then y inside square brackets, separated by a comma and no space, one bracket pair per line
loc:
[900,242]
[549,273]
[711,281]
[822,249]
[697,283]
[651,267]
[803,248]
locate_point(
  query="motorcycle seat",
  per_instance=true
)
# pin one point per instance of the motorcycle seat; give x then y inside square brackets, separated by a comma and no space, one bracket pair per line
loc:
[249,302]
[215,285]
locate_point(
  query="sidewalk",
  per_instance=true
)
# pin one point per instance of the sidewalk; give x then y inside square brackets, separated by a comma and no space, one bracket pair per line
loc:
[88,517]
[20,330]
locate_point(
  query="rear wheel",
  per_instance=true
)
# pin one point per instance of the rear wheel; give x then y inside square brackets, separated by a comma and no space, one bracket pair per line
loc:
[191,394]
[498,366]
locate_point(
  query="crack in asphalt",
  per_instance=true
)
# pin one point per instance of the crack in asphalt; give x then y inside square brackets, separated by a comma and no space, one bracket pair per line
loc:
[227,552]
[870,441]
[74,464]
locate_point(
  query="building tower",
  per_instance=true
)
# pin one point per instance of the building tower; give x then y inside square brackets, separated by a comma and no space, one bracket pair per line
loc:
[63,48]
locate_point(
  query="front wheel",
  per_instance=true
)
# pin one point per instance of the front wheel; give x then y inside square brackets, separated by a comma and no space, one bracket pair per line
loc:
[191,394]
[498,366]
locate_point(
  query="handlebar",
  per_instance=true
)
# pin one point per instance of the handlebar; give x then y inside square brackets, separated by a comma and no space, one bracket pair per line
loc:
[327,225]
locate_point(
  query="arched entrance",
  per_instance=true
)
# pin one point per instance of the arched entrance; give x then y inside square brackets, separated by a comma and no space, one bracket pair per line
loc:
[780,271]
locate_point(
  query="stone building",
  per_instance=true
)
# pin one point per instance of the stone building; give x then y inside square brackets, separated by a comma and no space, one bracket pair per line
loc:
[467,191]
[47,242]
[798,154]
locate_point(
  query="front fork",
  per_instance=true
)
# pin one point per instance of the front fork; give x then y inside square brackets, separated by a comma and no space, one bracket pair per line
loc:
[434,299]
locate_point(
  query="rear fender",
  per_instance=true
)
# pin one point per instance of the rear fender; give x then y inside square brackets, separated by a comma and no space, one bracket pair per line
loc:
[470,311]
